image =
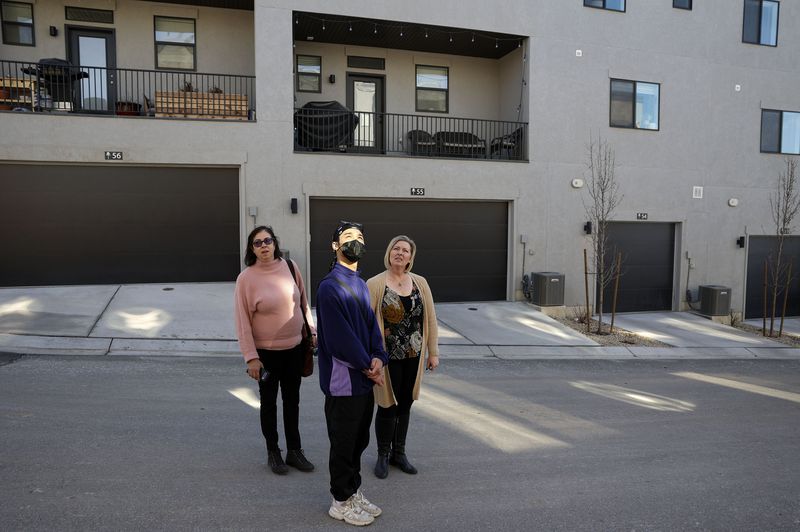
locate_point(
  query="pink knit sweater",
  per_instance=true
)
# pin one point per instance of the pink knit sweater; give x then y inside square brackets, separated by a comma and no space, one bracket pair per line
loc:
[268,305]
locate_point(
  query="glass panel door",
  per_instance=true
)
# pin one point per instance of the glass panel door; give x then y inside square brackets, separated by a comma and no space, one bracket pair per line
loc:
[365,99]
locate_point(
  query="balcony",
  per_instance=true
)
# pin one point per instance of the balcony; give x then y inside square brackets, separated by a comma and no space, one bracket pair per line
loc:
[327,127]
[401,88]
[56,87]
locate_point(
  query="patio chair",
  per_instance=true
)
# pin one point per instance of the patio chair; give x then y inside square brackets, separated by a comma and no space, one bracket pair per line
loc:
[459,144]
[508,146]
[419,142]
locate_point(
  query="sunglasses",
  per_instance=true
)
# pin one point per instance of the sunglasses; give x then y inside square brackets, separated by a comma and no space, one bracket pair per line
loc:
[266,242]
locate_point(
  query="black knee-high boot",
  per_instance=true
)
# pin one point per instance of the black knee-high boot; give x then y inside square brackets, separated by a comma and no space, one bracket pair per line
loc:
[384,430]
[398,457]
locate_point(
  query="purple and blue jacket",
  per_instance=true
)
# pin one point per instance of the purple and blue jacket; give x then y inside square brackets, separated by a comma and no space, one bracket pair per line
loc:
[348,334]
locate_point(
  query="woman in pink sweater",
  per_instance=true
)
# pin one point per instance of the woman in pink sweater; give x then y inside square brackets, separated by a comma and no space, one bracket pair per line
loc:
[270,303]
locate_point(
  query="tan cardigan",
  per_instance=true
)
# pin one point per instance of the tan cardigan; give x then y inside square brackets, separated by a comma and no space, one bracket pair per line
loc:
[384,395]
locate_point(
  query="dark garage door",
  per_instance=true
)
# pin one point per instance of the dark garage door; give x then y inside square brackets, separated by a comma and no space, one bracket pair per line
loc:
[759,249]
[100,224]
[462,247]
[648,257]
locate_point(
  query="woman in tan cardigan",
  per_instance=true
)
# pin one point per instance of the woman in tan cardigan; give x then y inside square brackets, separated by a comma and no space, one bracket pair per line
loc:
[403,305]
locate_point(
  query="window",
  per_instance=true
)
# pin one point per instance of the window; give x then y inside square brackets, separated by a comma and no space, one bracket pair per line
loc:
[432,89]
[17,20]
[780,132]
[634,104]
[682,4]
[309,73]
[761,22]
[175,43]
[612,5]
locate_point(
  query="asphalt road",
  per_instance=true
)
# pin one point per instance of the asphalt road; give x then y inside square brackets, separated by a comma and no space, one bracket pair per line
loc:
[171,444]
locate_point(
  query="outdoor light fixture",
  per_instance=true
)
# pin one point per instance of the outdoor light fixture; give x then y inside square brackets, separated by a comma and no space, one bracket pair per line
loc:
[53,31]
[587,228]
[332,78]
[740,241]
[293,205]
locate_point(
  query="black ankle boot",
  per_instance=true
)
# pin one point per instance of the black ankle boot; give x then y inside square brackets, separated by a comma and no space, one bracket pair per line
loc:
[276,462]
[398,457]
[384,429]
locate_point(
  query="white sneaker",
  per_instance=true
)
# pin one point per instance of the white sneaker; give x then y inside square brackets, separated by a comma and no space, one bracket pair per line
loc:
[371,509]
[350,512]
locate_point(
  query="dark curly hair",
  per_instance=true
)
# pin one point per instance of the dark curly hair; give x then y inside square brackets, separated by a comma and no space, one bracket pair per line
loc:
[250,255]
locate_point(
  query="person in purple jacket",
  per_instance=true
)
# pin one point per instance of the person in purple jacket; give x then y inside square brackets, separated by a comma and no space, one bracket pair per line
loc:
[350,357]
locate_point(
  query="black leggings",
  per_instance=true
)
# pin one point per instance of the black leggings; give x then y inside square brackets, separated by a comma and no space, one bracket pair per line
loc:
[403,374]
[284,371]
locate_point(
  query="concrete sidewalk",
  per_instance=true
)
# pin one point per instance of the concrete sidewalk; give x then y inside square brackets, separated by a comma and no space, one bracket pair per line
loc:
[197,320]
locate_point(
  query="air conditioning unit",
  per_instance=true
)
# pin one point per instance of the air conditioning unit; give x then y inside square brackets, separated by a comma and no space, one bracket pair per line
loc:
[715,300]
[548,289]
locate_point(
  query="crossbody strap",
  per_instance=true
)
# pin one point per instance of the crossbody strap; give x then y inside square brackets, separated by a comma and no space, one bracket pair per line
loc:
[302,311]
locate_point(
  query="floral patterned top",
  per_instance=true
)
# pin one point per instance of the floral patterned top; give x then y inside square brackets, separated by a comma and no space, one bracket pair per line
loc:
[402,324]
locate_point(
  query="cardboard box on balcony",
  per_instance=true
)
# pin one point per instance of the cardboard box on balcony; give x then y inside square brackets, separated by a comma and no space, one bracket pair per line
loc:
[183,104]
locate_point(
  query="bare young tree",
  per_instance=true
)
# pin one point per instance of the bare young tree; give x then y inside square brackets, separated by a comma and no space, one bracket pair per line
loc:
[784,204]
[604,196]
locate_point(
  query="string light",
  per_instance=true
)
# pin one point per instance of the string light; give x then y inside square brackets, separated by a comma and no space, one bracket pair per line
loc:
[473,37]
[496,44]
[426,33]
[297,20]
[375,31]
[351,26]
[323,25]
[519,44]
[401,31]
[451,37]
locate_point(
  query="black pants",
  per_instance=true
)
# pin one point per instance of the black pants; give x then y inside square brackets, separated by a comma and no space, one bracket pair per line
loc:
[284,371]
[348,420]
[403,374]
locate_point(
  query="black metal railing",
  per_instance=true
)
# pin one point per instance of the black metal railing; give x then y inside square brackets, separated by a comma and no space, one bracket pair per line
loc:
[341,130]
[57,86]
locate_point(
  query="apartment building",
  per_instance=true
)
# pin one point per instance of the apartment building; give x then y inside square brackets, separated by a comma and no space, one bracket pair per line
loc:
[141,141]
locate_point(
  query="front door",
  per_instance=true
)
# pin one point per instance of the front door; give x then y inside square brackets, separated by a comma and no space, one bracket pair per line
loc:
[94,52]
[365,98]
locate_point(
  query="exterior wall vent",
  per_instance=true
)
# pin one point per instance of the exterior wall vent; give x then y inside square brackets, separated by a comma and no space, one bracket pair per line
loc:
[84,14]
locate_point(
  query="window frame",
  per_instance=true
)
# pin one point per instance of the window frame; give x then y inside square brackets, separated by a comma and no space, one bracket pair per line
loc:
[445,91]
[761,22]
[307,74]
[682,7]
[633,104]
[4,22]
[171,43]
[606,8]
[779,151]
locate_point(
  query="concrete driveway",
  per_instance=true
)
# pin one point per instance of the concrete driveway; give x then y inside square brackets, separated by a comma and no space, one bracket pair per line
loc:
[685,329]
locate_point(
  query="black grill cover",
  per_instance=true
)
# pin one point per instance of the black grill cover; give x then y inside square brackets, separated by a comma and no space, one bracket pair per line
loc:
[324,125]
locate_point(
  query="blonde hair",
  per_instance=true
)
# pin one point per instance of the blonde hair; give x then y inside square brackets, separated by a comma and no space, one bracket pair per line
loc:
[395,240]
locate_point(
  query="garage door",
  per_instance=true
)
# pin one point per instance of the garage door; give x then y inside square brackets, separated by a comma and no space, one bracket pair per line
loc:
[99,224]
[462,247]
[648,257]
[759,249]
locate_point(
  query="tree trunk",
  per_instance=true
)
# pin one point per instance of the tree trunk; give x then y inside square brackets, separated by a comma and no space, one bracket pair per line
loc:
[785,297]
[616,290]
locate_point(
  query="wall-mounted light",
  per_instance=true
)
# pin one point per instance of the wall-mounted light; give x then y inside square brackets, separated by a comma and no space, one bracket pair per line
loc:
[740,241]
[53,31]
[587,228]
[332,78]
[293,205]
